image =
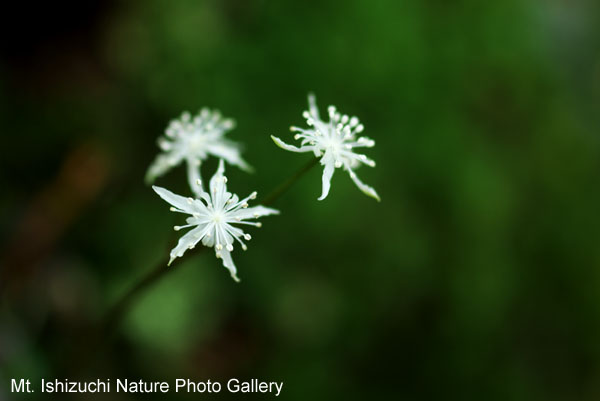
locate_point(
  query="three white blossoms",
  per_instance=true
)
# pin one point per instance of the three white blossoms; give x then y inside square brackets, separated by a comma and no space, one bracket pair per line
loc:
[216,214]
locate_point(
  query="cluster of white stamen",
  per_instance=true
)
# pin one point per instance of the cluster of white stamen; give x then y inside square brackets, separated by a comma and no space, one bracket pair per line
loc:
[334,142]
[213,218]
[192,132]
[339,137]
[193,139]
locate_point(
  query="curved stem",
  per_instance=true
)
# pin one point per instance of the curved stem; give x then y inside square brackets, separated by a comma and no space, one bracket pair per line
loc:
[284,186]
[118,310]
[122,306]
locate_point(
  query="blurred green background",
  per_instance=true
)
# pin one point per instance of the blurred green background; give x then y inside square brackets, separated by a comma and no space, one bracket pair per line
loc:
[476,277]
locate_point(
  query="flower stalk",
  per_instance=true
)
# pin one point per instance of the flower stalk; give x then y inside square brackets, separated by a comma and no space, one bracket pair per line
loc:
[334,142]
[119,310]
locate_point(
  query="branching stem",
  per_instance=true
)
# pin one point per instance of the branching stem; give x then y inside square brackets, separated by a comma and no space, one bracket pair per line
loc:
[122,306]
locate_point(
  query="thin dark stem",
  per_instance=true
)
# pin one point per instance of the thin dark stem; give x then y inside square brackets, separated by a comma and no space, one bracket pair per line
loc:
[122,306]
[120,309]
[284,186]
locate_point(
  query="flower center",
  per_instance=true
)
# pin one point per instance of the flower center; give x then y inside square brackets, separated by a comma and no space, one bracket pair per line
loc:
[196,142]
[333,143]
[217,217]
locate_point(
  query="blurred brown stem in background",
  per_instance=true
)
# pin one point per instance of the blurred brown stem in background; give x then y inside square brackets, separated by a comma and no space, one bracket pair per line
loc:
[52,211]
[115,314]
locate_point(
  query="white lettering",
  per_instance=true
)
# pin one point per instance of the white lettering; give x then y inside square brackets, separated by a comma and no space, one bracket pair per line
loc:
[23,385]
[141,386]
[199,387]
[254,386]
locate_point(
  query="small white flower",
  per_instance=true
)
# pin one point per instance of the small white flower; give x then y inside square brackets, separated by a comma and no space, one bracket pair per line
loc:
[213,217]
[334,142]
[193,139]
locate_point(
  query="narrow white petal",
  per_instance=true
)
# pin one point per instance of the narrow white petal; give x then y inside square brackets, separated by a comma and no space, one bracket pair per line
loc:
[291,148]
[190,239]
[367,190]
[253,212]
[161,165]
[218,187]
[230,152]
[178,201]
[228,263]
[209,241]
[194,179]
[216,182]
[327,174]
[312,105]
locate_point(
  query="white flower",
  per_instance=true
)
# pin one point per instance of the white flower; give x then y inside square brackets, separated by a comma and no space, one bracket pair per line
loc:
[213,217]
[334,142]
[193,140]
